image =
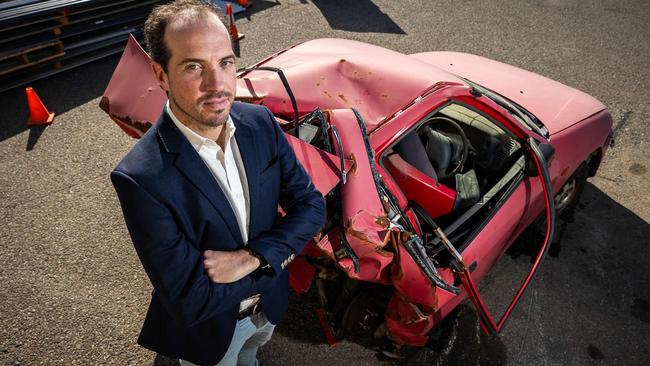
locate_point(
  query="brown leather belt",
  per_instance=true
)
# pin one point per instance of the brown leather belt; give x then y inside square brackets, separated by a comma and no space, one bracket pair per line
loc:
[251,310]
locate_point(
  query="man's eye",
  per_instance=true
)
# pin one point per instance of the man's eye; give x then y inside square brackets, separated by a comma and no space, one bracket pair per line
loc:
[192,67]
[227,63]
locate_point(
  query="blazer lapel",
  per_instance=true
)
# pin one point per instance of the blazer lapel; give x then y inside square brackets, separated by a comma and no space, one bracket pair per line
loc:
[245,137]
[190,164]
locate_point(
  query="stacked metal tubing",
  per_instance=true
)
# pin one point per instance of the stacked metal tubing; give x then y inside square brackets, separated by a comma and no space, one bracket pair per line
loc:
[42,38]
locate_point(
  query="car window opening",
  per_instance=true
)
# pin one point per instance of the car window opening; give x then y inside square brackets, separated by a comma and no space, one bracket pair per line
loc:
[457,165]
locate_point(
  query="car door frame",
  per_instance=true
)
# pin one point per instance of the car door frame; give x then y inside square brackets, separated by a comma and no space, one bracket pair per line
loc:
[527,190]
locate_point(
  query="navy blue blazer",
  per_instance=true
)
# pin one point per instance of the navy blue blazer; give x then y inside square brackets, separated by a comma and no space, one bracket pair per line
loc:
[174,210]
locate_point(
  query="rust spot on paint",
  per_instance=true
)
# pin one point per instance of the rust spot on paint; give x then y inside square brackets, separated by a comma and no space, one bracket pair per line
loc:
[564,171]
[342,60]
[342,96]
[317,84]
[393,242]
[355,233]
[384,95]
[353,168]
[383,221]
[364,237]
[384,253]
[322,78]
[369,72]
[434,305]
[327,93]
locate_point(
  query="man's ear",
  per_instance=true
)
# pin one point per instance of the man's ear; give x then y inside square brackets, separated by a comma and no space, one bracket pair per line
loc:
[161,75]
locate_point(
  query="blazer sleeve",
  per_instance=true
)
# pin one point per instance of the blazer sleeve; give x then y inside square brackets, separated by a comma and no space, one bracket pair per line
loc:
[302,203]
[173,264]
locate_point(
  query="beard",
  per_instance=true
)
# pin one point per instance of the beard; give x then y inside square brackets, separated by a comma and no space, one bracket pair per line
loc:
[194,116]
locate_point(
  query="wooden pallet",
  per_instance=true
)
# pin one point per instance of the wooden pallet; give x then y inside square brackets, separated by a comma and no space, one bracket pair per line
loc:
[72,59]
[19,59]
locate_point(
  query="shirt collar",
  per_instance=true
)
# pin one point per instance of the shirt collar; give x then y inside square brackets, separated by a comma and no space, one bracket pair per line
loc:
[197,140]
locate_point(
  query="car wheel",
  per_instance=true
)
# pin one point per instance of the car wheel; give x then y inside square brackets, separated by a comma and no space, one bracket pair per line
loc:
[569,195]
[361,316]
[455,341]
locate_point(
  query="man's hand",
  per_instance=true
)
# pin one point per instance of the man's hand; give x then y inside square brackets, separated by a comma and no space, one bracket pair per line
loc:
[226,267]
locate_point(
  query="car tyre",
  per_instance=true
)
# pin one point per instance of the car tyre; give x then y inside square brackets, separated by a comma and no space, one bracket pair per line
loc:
[569,195]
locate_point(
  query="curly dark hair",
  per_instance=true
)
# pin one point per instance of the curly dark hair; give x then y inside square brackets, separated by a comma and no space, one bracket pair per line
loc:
[162,15]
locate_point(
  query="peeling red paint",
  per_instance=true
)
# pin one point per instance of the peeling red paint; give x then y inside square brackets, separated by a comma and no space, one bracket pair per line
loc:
[342,96]
[382,221]
[353,168]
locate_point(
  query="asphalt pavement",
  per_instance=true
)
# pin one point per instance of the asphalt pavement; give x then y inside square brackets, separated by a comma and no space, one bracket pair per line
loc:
[72,291]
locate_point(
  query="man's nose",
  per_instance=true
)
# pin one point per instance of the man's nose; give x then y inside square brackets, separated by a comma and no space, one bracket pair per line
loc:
[212,79]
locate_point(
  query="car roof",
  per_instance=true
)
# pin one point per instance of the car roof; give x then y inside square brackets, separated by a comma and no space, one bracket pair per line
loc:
[341,74]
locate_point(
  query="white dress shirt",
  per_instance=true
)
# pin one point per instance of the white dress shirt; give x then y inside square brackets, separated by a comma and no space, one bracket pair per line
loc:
[228,170]
[225,165]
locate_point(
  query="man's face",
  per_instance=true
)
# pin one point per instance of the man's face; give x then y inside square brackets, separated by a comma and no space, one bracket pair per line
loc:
[200,79]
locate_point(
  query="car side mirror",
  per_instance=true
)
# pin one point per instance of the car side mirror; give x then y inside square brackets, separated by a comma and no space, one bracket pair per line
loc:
[548,152]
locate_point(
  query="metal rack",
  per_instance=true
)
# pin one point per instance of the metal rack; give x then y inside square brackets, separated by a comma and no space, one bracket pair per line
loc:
[42,38]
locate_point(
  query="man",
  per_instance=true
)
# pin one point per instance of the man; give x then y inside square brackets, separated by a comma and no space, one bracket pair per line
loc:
[200,192]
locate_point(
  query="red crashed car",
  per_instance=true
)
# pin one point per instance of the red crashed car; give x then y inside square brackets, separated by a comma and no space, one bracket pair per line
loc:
[432,164]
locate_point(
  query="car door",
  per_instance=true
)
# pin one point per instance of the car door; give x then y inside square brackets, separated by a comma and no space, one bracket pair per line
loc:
[482,232]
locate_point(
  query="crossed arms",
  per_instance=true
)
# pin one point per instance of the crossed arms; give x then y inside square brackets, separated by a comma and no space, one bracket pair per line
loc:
[195,286]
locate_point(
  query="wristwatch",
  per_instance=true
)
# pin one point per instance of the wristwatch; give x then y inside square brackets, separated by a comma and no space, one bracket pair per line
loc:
[264,265]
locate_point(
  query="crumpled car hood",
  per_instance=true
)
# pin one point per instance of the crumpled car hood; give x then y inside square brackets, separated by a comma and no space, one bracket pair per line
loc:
[341,74]
[558,106]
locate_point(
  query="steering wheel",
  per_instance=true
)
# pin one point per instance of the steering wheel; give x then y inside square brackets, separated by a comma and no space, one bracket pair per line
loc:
[445,146]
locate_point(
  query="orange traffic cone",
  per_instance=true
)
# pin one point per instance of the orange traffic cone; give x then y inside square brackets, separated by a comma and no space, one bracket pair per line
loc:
[234,34]
[243,3]
[38,114]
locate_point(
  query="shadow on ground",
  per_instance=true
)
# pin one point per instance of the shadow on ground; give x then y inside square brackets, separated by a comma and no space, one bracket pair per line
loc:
[59,93]
[164,361]
[361,16]
[257,7]
[597,218]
